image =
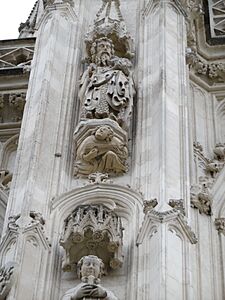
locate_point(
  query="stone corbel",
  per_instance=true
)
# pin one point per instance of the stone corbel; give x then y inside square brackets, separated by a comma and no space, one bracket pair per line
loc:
[177,204]
[149,205]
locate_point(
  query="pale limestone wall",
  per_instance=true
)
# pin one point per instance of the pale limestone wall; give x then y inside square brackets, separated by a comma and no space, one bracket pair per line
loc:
[161,257]
[206,119]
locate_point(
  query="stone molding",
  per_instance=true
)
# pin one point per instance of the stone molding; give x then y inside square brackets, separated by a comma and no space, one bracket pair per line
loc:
[211,73]
[104,193]
[171,218]
[19,225]
[30,27]
[63,9]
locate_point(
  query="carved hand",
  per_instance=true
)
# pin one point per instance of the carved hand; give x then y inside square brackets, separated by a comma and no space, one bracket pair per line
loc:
[98,292]
[84,291]
[91,154]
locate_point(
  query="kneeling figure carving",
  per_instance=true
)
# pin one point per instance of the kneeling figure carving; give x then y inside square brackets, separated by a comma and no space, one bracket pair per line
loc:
[101,152]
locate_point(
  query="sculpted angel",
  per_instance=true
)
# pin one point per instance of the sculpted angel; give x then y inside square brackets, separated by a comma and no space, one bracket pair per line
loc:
[90,269]
[106,87]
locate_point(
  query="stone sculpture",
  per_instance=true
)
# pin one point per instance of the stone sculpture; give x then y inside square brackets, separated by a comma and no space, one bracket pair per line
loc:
[93,229]
[106,86]
[106,95]
[201,197]
[7,278]
[90,269]
[101,152]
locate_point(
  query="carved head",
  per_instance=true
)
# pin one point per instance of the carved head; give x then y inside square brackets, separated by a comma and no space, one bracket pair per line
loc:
[104,133]
[90,265]
[102,50]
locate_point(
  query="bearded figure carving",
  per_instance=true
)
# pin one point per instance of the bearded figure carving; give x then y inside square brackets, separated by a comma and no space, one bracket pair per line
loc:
[101,152]
[90,270]
[106,87]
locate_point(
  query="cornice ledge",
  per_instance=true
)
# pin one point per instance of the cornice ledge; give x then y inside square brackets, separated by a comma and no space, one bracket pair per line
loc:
[172,217]
[197,79]
[57,8]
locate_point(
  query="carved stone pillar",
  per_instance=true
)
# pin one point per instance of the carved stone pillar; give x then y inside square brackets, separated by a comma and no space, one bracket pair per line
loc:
[162,121]
[163,146]
[42,156]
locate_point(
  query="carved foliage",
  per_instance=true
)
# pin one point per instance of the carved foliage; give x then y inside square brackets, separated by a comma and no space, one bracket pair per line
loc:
[92,229]
[177,204]
[149,205]
[97,178]
[209,72]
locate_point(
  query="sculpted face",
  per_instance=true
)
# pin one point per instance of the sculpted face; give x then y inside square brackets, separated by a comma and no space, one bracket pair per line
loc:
[104,52]
[102,133]
[91,266]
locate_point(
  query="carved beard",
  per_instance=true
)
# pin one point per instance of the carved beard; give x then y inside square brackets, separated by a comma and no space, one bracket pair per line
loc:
[103,59]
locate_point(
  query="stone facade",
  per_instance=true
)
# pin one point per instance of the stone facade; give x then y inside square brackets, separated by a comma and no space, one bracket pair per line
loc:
[112,152]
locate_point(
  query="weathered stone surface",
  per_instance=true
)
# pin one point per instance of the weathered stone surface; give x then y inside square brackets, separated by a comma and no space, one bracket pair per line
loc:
[112,151]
